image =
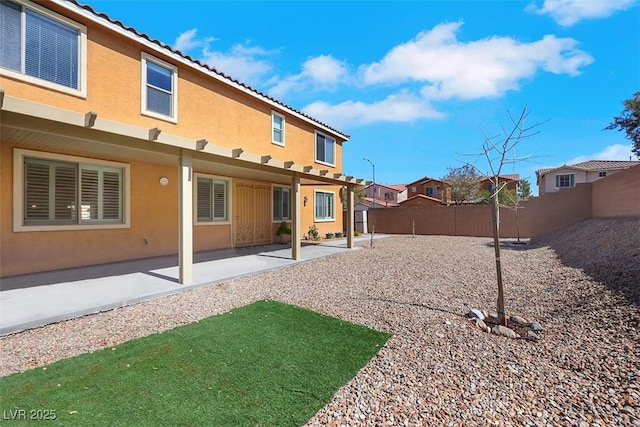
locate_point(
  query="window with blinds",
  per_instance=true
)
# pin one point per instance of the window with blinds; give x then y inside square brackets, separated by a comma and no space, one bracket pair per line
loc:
[277,124]
[281,204]
[158,87]
[324,206]
[52,190]
[37,45]
[211,200]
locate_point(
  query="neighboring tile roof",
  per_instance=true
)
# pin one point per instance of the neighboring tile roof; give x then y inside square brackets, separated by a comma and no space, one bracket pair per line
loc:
[368,201]
[422,196]
[398,187]
[390,187]
[510,177]
[423,180]
[197,62]
[593,165]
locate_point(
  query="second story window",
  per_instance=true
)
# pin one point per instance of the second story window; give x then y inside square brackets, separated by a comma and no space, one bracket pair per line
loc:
[159,97]
[41,47]
[565,181]
[431,191]
[325,149]
[277,128]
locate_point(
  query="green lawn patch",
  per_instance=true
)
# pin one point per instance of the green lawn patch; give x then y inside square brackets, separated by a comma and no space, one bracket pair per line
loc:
[265,364]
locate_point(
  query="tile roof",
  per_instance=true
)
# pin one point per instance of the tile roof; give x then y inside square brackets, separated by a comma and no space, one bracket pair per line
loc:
[593,165]
[422,196]
[508,176]
[398,187]
[391,187]
[230,80]
[368,201]
[423,180]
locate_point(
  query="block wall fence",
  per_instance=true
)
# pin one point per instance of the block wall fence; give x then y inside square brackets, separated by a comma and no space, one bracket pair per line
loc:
[615,195]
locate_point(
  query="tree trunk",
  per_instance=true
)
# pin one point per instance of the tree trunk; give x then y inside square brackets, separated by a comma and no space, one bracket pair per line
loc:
[495,215]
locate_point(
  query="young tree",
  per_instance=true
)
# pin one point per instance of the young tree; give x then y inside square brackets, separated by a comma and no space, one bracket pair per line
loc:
[499,151]
[629,121]
[358,194]
[463,183]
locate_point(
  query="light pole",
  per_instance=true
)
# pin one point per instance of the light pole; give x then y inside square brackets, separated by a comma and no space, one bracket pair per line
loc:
[374,181]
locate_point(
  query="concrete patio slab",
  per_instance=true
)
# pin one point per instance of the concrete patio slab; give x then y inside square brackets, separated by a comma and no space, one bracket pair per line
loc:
[39,299]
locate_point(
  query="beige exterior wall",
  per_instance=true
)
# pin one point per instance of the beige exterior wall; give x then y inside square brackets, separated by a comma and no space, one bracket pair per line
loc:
[618,194]
[206,108]
[148,236]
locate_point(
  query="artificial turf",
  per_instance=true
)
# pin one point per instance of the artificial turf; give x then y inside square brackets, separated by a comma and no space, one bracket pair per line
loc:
[265,364]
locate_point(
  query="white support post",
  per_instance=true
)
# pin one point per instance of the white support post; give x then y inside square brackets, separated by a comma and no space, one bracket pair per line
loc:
[350,215]
[185,218]
[295,218]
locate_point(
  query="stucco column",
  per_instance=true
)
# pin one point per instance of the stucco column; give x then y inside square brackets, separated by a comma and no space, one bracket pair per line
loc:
[185,219]
[296,228]
[350,216]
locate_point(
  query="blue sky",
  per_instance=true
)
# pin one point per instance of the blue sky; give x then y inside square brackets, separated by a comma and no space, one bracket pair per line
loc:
[417,83]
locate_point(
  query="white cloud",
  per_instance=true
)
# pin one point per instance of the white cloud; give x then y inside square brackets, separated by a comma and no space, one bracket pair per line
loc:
[611,152]
[569,12]
[320,72]
[188,40]
[484,68]
[400,107]
[243,62]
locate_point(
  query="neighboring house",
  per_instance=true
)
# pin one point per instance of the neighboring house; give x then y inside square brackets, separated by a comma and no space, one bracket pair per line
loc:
[553,179]
[386,195]
[114,146]
[512,182]
[430,187]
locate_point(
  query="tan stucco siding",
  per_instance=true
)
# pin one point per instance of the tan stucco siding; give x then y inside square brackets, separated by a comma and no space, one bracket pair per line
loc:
[148,236]
[206,107]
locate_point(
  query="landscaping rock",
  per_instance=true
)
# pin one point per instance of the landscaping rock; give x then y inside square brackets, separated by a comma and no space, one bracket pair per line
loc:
[479,324]
[519,321]
[536,326]
[476,313]
[532,336]
[504,331]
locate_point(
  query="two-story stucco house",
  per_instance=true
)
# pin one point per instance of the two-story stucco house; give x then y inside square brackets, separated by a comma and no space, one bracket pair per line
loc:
[385,195]
[554,179]
[115,147]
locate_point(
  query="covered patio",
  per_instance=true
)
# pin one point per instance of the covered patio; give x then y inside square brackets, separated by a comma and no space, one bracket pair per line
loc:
[33,300]
[35,126]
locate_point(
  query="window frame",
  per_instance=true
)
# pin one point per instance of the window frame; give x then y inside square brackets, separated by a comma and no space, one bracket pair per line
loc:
[214,179]
[283,131]
[81,91]
[333,213]
[19,156]
[315,151]
[602,174]
[571,178]
[144,59]
[282,217]
[433,189]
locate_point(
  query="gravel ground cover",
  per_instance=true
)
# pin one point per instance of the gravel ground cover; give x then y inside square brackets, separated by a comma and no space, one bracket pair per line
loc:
[582,283]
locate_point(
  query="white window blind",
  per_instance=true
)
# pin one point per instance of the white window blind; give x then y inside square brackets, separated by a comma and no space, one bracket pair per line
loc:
[10,36]
[159,89]
[49,49]
[211,200]
[51,193]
